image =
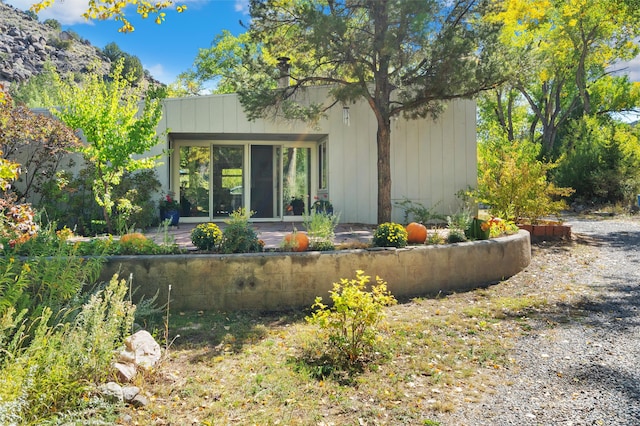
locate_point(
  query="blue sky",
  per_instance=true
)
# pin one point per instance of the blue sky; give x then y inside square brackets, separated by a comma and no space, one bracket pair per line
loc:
[165,50]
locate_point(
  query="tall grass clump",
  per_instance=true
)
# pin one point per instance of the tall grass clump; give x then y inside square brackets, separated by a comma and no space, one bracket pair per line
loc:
[46,370]
[320,227]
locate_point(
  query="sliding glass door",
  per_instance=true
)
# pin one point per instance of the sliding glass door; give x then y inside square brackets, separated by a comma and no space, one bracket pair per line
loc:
[274,181]
[195,175]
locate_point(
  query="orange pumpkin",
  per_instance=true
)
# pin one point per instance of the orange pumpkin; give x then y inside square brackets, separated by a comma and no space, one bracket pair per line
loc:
[417,233]
[128,238]
[296,241]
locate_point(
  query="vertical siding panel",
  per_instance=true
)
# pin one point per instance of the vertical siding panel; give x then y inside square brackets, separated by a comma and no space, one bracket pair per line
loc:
[471,138]
[425,168]
[230,114]
[201,115]
[449,158]
[460,155]
[437,166]
[351,179]
[336,142]
[399,166]
[187,119]
[369,208]
[216,115]
[173,114]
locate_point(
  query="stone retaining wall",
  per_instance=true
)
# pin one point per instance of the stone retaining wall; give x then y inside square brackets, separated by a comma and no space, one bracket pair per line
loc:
[277,281]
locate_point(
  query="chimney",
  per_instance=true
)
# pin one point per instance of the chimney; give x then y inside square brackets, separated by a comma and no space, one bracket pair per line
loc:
[284,67]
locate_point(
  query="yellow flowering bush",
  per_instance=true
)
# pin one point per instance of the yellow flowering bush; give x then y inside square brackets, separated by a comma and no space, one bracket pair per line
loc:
[206,236]
[498,227]
[390,234]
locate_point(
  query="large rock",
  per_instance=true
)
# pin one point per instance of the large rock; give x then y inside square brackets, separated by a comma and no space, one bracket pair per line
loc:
[140,351]
[145,349]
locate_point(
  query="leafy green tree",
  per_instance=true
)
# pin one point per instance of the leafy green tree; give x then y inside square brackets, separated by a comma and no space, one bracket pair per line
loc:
[401,57]
[561,51]
[222,63]
[601,163]
[132,67]
[117,131]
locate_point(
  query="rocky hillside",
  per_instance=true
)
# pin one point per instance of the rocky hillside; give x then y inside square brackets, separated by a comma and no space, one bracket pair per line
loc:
[27,44]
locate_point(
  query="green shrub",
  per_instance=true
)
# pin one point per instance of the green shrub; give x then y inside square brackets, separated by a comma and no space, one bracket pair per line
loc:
[456,236]
[513,182]
[320,227]
[322,246]
[54,272]
[135,195]
[390,234]
[238,236]
[351,326]
[602,161]
[59,43]
[52,371]
[53,24]
[206,236]
[435,238]
[136,243]
[458,224]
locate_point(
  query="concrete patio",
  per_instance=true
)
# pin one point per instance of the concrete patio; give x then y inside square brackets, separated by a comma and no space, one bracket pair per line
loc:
[271,233]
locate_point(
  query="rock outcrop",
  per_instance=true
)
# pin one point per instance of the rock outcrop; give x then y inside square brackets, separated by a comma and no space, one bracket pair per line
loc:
[27,44]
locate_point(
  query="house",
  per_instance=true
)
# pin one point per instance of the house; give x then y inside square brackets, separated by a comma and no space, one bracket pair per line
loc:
[219,160]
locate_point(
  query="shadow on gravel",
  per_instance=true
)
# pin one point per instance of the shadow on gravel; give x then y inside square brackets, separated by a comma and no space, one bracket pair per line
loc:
[614,315]
[622,240]
[597,375]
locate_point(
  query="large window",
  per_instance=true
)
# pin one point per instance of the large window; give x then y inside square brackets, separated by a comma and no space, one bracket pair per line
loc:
[194,181]
[275,181]
[297,184]
[227,185]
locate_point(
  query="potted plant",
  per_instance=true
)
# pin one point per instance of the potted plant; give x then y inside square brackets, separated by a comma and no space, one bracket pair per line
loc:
[169,209]
[296,206]
[322,205]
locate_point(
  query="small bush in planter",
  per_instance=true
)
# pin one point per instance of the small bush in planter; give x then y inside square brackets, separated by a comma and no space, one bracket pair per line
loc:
[206,236]
[390,234]
[137,243]
[239,236]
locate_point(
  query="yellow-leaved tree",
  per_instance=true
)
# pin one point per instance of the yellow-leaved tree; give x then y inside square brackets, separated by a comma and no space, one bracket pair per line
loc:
[115,9]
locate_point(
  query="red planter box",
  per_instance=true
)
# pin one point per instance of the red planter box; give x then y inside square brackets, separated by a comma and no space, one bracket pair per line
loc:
[547,231]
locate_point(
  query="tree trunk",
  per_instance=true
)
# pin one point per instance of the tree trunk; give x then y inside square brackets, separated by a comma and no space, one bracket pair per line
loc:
[384,170]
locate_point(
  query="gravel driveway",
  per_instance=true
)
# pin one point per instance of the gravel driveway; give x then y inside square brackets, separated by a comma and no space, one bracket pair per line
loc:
[581,365]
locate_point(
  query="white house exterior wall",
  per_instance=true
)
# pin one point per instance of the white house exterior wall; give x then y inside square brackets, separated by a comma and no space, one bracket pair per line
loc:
[430,160]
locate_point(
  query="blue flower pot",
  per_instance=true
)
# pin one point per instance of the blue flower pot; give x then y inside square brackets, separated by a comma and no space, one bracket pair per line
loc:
[172,215]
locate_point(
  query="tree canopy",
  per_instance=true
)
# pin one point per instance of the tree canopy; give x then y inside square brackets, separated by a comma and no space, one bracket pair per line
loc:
[562,53]
[109,116]
[400,57]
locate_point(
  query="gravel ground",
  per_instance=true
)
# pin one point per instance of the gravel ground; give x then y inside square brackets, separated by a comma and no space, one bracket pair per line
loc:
[580,364]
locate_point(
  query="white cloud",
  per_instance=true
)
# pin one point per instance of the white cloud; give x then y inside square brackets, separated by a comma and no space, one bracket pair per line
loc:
[630,68]
[160,73]
[67,12]
[242,6]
